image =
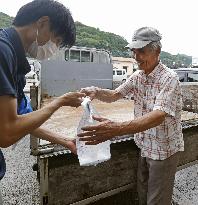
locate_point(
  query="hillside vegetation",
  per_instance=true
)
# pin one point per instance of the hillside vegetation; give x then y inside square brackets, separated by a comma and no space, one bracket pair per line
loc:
[93,37]
[5,20]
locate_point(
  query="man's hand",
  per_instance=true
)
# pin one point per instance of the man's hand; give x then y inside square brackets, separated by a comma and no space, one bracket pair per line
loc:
[46,134]
[71,145]
[73,99]
[101,132]
[90,91]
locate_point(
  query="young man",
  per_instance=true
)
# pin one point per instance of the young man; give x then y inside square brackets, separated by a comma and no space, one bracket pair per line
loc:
[157,123]
[39,29]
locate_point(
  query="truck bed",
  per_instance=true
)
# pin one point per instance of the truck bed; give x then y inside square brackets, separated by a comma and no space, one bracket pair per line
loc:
[112,182]
[65,120]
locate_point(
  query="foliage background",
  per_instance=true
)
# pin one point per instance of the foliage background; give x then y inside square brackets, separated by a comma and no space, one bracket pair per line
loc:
[92,37]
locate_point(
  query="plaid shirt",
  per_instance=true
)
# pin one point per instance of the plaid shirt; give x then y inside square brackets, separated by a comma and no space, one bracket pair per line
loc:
[160,90]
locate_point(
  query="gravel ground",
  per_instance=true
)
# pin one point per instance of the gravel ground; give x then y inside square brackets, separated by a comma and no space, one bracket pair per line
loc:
[20,186]
[186,186]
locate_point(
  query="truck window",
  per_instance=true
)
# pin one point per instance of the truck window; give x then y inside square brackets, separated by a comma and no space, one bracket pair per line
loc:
[125,68]
[181,76]
[119,72]
[85,56]
[103,57]
[75,55]
[192,77]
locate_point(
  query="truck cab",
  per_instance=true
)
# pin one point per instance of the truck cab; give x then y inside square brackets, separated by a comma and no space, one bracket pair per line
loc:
[83,54]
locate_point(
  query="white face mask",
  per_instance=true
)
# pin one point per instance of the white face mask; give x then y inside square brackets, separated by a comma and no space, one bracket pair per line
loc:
[42,52]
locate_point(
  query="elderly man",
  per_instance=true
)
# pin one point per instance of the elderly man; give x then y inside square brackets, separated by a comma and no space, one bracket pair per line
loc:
[157,123]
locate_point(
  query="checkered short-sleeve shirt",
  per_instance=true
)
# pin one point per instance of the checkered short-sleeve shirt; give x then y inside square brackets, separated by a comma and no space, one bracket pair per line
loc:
[160,90]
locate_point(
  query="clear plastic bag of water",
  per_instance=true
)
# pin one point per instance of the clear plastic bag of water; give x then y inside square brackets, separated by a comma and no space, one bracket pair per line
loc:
[91,154]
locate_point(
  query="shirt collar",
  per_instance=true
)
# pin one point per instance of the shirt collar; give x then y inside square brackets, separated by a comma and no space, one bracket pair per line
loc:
[16,42]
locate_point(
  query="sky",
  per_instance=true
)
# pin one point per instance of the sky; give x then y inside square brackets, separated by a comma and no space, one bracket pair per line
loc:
[175,19]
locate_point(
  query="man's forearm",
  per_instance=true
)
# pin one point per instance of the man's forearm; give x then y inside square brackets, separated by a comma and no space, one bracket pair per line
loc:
[148,121]
[35,119]
[25,124]
[55,138]
[107,95]
[48,135]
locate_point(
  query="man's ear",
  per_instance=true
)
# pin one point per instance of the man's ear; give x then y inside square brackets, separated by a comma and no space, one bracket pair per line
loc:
[43,21]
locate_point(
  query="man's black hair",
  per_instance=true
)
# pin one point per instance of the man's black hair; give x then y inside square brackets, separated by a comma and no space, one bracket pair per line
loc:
[61,21]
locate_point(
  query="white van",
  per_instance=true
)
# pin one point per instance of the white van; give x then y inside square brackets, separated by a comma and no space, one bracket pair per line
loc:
[119,75]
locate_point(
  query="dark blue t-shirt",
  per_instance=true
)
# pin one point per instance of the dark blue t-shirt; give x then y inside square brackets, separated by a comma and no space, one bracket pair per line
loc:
[13,68]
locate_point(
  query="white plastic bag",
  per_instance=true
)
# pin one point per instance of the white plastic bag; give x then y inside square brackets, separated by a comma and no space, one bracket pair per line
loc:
[91,154]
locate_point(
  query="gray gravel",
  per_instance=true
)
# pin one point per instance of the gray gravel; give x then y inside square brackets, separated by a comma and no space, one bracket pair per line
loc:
[20,186]
[186,186]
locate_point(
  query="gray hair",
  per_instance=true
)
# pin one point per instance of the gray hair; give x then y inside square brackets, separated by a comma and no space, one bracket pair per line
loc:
[155,45]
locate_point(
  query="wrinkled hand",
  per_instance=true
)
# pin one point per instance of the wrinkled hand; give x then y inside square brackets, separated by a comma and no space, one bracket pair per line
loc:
[73,99]
[101,132]
[90,91]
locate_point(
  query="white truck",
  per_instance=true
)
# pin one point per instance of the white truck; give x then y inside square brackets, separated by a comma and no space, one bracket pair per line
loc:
[74,68]
[62,180]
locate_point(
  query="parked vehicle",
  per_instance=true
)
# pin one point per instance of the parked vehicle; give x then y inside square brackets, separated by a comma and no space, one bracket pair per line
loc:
[76,68]
[63,181]
[189,84]
[83,55]
[35,66]
[187,74]
[119,75]
[31,79]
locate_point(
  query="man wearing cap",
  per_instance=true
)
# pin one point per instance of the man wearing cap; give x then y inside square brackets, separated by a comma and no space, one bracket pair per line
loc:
[157,118]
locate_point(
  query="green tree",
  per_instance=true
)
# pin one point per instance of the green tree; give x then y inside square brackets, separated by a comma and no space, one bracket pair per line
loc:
[5,20]
[88,36]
